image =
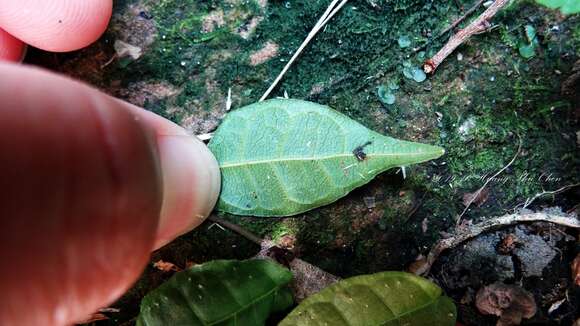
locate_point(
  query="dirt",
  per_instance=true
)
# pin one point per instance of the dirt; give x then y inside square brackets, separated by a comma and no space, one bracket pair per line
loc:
[477,106]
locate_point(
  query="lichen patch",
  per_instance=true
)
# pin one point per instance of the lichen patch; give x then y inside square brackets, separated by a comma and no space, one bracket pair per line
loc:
[266,53]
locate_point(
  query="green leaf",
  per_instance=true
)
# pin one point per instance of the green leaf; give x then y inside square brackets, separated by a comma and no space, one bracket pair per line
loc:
[284,157]
[527,51]
[415,73]
[567,7]
[388,298]
[530,33]
[221,292]
[385,95]
[419,75]
[404,41]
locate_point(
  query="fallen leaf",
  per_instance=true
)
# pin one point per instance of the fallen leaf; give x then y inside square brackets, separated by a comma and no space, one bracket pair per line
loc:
[476,198]
[507,244]
[511,303]
[124,49]
[576,270]
[166,266]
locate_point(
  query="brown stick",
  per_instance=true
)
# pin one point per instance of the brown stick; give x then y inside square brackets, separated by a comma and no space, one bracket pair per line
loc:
[479,25]
[548,215]
[236,228]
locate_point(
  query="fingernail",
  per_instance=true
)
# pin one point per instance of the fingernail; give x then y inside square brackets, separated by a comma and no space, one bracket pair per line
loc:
[191,185]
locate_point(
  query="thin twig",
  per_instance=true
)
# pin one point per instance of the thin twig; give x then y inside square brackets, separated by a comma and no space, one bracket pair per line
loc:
[236,228]
[332,9]
[529,201]
[476,194]
[479,25]
[308,279]
[462,235]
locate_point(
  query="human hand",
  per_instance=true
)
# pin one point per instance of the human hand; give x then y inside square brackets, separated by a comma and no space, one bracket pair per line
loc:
[51,25]
[89,185]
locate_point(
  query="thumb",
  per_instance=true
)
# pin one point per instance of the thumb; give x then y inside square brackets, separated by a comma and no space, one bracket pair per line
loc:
[90,185]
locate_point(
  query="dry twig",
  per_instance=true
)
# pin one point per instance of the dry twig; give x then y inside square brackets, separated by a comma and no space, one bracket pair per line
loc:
[236,228]
[478,26]
[555,216]
[332,9]
[529,201]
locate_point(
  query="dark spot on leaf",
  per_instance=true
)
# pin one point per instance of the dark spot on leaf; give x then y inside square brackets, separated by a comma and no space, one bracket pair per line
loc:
[359,152]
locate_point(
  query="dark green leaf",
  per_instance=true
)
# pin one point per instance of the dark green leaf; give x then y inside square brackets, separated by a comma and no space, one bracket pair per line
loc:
[284,157]
[388,298]
[220,292]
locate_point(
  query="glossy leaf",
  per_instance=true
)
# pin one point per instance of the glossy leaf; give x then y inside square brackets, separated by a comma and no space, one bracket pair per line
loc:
[220,292]
[388,298]
[567,7]
[284,157]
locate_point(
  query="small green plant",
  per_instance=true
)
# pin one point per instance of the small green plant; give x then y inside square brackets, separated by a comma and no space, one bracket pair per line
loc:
[528,49]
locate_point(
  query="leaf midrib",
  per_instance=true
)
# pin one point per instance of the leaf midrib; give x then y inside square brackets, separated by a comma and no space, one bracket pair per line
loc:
[411,311]
[244,163]
[247,306]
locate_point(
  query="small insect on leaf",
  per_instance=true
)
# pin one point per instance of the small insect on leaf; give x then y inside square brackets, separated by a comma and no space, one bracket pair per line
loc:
[359,152]
[283,157]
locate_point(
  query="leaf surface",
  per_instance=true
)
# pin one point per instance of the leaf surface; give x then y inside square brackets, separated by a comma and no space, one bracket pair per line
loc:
[284,157]
[567,7]
[220,292]
[387,298]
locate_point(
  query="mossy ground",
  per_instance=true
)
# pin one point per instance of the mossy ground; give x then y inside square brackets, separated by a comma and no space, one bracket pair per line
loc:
[479,105]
